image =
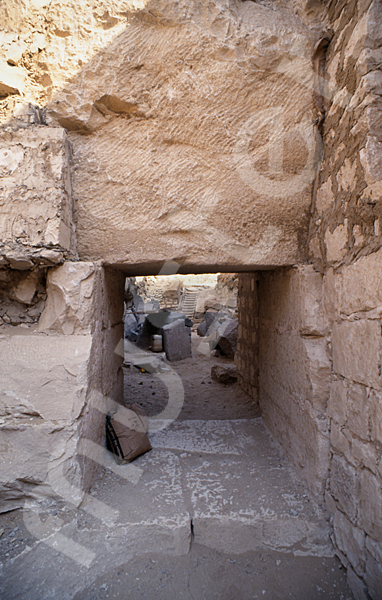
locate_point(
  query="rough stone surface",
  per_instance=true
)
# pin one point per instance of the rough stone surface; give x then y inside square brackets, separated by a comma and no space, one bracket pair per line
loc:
[224,373]
[227,340]
[57,387]
[44,388]
[177,340]
[147,97]
[203,328]
[22,296]
[294,368]
[36,196]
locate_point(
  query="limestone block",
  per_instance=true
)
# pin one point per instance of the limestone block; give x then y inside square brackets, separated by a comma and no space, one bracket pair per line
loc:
[376,416]
[319,371]
[26,289]
[339,441]
[374,548]
[336,243]
[373,576]
[357,585]
[36,193]
[371,159]
[70,303]
[356,351]
[310,297]
[325,197]
[149,170]
[227,337]
[370,505]
[330,291]
[177,340]
[44,391]
[350,540]
[11,80]
[53,370]
[360,284]
[224,373]
[338,401]
[358,411]
[345,486]
[365,453]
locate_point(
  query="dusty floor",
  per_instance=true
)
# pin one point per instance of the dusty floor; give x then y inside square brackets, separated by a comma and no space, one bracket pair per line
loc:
[213,511]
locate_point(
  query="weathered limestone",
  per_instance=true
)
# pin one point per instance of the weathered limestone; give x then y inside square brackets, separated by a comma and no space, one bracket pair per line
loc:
[247,355]
[169,139]
[37,223]
[57,384]
[295,369]
[346,235]
[177,340]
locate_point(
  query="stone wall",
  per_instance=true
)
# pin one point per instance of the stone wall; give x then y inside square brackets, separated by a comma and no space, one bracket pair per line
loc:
[22,296]
[345,242]
[247,354]
[174,157]
[295,370]
[57,382]
[35,197]
[320,325]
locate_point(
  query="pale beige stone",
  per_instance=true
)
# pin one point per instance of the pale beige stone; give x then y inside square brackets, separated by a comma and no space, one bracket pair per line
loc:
[325,196]
[345,486]
[359,238]
[371,159]
[336,243]
[346,176]
[11,80]
[365,453]
[26,289]
[36,194]
[320,370]
[356,351]
[376,416]
[70,303]
[338,401]
[313,320]
[339,441]
[357,39]
[360,284]
[150,172]
[330,290]
[358,410]
[370,513]
[350,540]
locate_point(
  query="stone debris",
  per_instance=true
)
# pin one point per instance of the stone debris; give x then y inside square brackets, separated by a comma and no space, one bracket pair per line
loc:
[177,340]
[202,329]
[227,340]
[224,373]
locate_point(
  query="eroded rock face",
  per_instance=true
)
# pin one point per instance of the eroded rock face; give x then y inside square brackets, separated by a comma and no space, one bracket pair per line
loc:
[36,203]
[191,123]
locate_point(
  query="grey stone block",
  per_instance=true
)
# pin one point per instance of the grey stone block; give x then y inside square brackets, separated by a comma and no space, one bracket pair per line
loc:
[177,340]
[224,373]
[209,318]
[228,338]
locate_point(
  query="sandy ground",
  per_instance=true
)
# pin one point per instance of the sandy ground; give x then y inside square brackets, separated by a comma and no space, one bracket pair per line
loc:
[205,398]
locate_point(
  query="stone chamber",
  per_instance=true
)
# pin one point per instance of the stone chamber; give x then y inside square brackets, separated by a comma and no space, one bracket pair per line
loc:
[146,137]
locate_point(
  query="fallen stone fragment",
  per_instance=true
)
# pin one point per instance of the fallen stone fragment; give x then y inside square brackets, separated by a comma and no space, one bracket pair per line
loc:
[224,373]
[177,340]
[206,324]
[228,338]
